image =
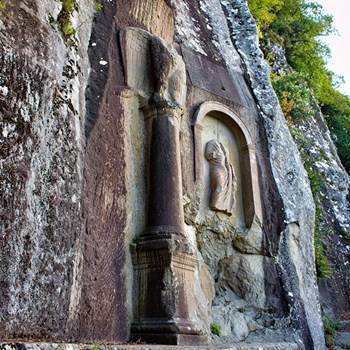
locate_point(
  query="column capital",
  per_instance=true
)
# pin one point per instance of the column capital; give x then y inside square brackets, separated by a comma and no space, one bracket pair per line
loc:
[161,108]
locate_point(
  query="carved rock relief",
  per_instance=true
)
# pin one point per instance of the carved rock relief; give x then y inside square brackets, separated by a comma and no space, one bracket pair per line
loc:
[153,67]
[222,179]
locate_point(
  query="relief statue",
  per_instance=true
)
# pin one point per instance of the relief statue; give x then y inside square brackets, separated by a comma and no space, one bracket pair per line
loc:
[222,178]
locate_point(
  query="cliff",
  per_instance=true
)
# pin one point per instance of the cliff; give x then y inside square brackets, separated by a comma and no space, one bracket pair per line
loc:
[105,116]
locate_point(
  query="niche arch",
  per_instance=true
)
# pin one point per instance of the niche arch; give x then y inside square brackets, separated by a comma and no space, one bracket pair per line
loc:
[250,190]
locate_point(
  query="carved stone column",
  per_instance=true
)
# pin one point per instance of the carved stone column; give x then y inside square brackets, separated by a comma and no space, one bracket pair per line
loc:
[165,211]
[163,263]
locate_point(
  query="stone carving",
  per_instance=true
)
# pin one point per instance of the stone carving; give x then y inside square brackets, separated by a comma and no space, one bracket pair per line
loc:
[164,264]
[169,72]
[222,178]
[153,67]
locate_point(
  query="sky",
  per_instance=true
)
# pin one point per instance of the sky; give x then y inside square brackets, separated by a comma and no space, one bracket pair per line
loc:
[339,43]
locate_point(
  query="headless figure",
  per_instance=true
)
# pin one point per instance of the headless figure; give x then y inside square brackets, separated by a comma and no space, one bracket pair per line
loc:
[222,178]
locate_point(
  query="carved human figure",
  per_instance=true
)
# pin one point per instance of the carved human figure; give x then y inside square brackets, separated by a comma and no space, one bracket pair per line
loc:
[222,178]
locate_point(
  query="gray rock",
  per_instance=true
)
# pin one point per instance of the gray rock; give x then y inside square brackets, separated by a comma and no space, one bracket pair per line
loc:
[68,346]
[342,339]
[74,193]
[41,173]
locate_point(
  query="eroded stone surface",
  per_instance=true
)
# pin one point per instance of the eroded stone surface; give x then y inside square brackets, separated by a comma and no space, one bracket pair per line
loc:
[283,159]
[63,346]
[42,108]
[67,235]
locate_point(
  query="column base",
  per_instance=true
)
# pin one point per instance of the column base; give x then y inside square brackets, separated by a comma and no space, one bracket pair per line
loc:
[163,278]
[165,326]
[170,339]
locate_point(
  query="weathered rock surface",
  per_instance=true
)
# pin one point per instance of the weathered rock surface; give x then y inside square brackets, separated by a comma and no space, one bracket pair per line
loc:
[335,292]
[320,154]
[74,160]
[42,101]
[342,340]
[62,346]
[335,221]
[288,227]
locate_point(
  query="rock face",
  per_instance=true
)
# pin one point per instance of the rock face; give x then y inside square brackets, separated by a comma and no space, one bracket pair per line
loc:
[52,346]
[42,107]
[335,214]
[331,185]
[78,192]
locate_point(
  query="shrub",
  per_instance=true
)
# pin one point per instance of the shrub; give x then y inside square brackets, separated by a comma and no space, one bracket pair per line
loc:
[215,328]
[68,5]
[66,27]
[330,328]
[98,6]
[294,96]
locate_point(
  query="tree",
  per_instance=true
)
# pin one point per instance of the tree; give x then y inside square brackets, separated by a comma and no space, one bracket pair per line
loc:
[297,25]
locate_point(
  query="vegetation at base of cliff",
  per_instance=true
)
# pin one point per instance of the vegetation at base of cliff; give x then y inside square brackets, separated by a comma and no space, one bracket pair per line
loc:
[330,328]
[297,25]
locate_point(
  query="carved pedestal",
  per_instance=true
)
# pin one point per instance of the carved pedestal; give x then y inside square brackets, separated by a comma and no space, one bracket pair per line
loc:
[163,282]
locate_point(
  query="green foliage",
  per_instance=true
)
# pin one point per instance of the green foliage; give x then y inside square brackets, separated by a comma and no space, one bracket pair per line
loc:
[316,178]
[294,96]
[66,27]
[68,5]
[98,6]
[330,328]
[297,25]
[2,3]
[340,126]
[215,328]
[336,108]
[264,12]
[322,265]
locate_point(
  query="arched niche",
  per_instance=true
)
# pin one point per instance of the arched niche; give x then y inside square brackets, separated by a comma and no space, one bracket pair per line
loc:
[214,117]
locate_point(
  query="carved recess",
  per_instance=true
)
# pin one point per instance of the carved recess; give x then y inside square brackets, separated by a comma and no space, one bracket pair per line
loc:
[244,188]
[163,262]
